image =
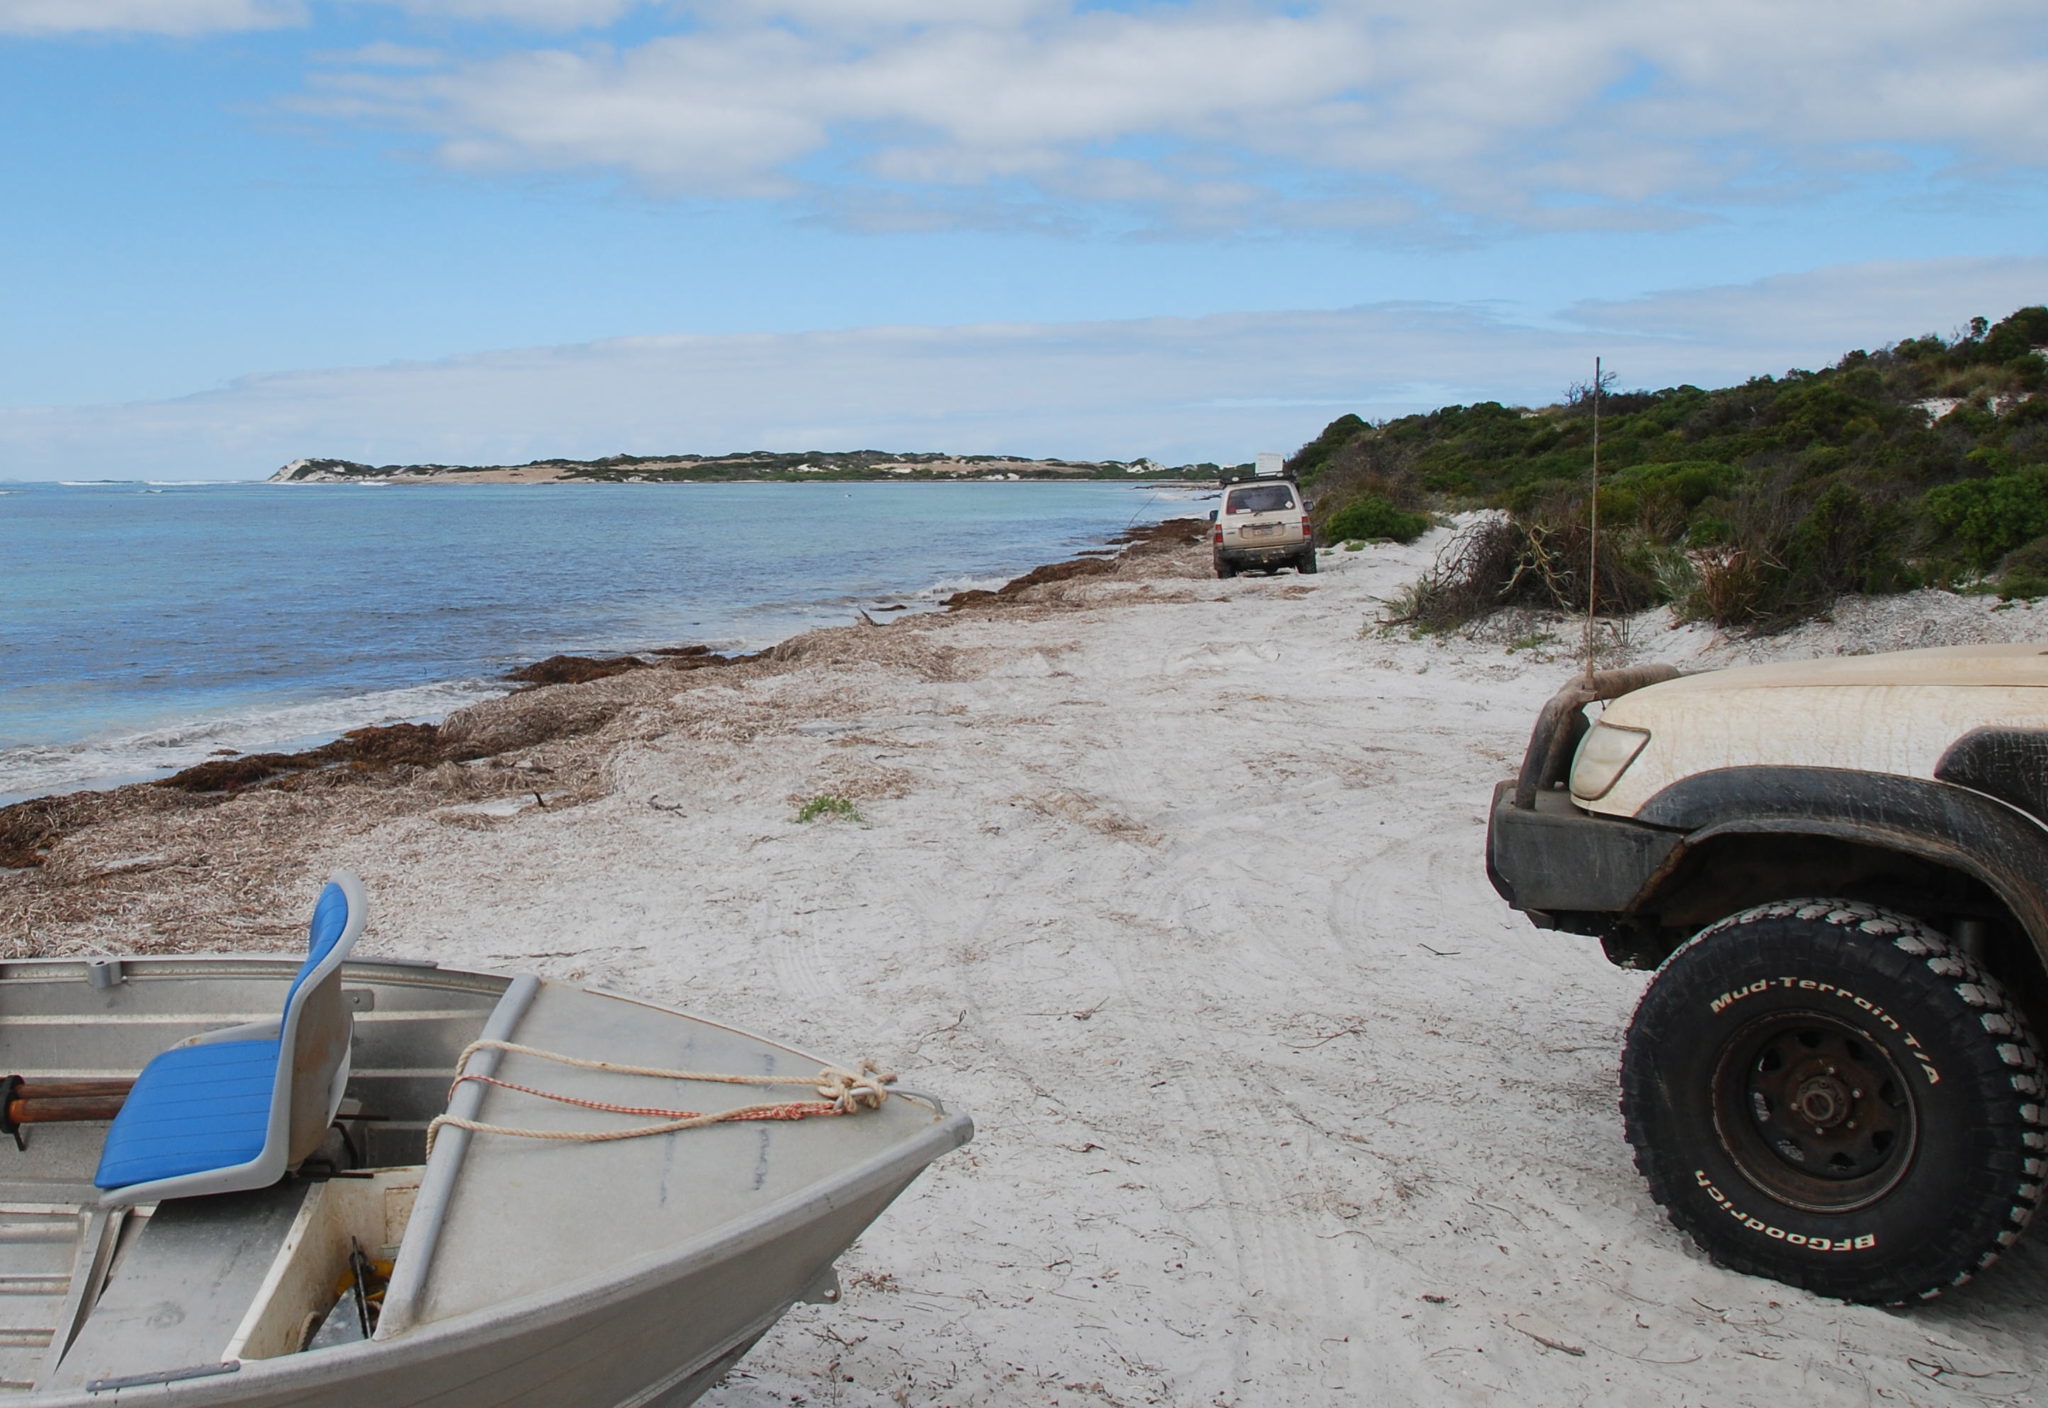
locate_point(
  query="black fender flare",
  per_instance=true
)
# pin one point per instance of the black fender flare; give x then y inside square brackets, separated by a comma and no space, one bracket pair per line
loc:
[1989,840]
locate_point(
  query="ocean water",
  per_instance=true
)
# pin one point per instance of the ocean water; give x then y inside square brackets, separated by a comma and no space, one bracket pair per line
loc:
[144,626]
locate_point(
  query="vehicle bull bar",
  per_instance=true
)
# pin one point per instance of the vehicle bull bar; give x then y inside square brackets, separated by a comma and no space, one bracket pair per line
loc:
[1550,743]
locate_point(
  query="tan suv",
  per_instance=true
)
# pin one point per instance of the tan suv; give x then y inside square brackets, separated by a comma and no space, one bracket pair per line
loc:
[1264,522]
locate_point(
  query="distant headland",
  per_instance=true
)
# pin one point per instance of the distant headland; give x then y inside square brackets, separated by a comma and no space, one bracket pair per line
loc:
[753,465]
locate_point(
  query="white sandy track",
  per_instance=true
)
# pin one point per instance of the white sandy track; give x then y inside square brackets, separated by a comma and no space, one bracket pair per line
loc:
[1180,893]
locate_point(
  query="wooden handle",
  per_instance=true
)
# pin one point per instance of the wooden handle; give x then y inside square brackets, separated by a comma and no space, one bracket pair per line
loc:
[32,1088]
[53,1101]
[54,1111]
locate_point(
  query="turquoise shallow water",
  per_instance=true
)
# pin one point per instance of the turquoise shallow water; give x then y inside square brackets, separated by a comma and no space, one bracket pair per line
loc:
[143,626]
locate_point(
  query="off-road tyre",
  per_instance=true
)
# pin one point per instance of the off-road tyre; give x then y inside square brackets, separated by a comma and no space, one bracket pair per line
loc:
[1224,569]
[1306,563]
[1831,1095]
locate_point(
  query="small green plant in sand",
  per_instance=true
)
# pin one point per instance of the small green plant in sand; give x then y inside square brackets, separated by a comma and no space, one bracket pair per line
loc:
[829,807]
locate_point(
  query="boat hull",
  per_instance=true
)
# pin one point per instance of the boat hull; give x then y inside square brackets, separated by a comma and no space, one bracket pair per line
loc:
[690,1255]
[661,1336]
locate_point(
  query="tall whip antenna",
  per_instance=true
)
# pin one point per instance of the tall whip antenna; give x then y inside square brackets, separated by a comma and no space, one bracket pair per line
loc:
[1593,530]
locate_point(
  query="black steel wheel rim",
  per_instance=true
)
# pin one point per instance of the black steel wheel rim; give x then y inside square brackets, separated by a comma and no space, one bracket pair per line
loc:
[1815,1111]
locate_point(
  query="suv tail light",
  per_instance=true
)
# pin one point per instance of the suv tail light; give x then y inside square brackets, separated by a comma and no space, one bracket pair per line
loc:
[1307,530]
[1216,536]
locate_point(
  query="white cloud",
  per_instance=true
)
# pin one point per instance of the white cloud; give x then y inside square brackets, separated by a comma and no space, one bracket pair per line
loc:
[856,15]
[1529,112]
[733,108]
[1467,114]
[1813,318]
[58,17]
[1177,389]
[384,54]
[533,14]
[51,17]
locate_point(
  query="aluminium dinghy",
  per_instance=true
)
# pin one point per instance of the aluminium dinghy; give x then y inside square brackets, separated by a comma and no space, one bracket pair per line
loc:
[249,1181]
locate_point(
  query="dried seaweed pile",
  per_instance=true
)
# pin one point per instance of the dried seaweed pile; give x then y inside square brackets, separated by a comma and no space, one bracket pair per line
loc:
[1171,537]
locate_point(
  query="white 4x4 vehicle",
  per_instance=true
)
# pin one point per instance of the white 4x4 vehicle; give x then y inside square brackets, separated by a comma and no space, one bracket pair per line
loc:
[1263,522]
[1839,870]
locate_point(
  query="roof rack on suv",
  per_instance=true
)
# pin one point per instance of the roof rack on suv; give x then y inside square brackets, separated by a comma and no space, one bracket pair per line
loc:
[1269,464]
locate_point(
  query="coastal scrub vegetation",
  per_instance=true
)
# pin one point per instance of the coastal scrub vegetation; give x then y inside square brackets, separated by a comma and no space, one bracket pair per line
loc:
[1924,463]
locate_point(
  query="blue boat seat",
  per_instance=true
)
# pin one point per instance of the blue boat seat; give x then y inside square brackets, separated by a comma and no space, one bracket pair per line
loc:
[237,1108]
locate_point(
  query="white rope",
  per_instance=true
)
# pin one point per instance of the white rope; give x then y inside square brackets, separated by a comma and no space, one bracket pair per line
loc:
[840,1092]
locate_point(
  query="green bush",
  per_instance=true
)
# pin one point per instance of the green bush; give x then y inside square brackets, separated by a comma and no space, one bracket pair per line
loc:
[1984,519]
[1847,542]
[1374,517]
[2024,573]
[1307,462]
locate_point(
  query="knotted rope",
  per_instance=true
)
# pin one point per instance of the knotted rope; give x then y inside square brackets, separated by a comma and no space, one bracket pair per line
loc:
[840,1092]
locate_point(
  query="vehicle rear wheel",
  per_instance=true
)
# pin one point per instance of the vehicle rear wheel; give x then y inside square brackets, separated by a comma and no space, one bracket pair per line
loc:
[1224,568]
[1829,1094]
[1306,563]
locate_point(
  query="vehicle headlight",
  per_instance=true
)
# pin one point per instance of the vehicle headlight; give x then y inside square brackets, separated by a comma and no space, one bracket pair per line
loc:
[1604,755]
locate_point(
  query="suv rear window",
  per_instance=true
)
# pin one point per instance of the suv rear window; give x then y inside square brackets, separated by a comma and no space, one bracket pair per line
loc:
[1260,498]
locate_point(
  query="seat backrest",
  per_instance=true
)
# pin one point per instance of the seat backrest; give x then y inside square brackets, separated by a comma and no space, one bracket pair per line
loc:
[315,1032]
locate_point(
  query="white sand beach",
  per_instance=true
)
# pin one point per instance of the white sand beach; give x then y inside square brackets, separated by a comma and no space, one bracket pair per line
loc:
[1176,884]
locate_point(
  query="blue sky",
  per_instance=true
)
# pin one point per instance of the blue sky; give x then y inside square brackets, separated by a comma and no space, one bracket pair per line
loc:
[240,231]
